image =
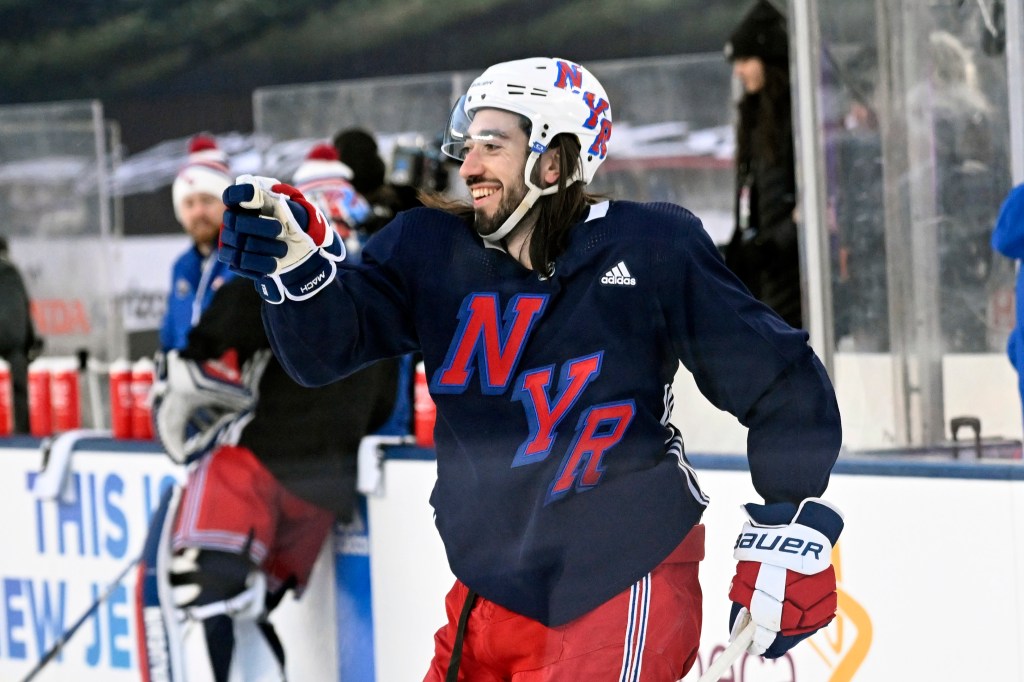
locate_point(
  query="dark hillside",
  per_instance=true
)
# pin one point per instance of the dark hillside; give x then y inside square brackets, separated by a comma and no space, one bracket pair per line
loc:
[164,68]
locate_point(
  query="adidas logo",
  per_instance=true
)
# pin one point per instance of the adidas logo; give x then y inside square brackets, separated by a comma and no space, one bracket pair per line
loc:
[619,275]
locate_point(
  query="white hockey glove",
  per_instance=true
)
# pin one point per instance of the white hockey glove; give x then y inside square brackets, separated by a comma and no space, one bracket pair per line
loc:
[193,403]
[274,236]
[785,582]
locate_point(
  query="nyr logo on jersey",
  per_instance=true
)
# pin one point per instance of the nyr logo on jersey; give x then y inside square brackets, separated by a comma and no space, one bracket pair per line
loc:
[570,77]
[492,349]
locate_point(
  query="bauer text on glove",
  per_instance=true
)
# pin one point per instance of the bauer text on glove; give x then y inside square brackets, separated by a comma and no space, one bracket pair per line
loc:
[784,581]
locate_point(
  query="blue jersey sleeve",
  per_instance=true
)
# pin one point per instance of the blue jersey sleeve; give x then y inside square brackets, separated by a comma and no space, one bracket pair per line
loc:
[363,316]
[748,362]
[1008,235]
[177,319]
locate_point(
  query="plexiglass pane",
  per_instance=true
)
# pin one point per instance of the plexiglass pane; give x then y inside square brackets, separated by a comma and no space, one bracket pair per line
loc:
[913,109]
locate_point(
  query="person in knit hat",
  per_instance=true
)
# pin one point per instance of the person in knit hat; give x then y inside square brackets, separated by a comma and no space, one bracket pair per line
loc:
[197,274]
[761,34]
[325,181]
[763,250]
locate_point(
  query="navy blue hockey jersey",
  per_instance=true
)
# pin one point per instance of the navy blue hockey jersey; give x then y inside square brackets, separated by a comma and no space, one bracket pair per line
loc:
[560,479]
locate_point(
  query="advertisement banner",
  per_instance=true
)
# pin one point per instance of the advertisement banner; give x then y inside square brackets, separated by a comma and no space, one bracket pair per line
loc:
[929,573]
[61,554]
[353,597]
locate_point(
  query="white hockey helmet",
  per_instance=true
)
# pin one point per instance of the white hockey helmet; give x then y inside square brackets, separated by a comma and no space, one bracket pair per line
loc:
[558,97]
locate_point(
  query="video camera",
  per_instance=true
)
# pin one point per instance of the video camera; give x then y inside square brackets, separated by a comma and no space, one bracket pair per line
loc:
[418,163]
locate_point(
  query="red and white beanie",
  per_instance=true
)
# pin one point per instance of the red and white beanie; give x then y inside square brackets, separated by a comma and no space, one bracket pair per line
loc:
[205,172]
[321,163]
[324,180]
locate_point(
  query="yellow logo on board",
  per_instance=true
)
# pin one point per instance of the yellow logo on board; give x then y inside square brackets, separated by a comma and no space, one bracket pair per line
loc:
[844,644]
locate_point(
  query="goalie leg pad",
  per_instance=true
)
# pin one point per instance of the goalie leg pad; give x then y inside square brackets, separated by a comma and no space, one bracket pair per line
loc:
[224,593]
[158,622]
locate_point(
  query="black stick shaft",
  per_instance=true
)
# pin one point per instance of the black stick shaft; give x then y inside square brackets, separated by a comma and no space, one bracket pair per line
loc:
[58,646]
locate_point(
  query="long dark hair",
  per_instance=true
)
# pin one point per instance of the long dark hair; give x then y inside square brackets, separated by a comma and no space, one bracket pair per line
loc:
[765,118]
[556,213]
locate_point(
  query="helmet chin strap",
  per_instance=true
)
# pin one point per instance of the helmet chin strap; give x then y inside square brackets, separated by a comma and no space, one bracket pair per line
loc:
[525,205]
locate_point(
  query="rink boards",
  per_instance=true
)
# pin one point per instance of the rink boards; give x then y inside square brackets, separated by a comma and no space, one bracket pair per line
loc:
[930,566]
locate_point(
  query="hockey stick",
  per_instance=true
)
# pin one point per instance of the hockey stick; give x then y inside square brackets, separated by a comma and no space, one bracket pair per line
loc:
[58,646]
[731,653]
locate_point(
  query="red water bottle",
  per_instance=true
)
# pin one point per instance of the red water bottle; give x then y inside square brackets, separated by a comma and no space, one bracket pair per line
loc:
[121,398]
[6,399]
[39,411]
[143,372]
[424,410]
[65,397]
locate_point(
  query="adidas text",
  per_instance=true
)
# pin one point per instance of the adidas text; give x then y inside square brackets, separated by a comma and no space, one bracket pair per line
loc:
[618,279]
[620,274]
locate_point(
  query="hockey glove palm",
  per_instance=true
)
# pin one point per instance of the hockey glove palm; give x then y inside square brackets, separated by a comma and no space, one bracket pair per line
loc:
[274,236]
[785,582]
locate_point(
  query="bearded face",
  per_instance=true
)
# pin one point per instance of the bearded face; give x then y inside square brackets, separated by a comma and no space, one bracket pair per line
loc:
[201,216]
[488,221]
[494,161]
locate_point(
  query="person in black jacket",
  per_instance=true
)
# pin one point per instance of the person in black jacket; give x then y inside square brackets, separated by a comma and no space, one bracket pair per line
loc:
[764,251]
[357,149]
[18,340]
[264,488]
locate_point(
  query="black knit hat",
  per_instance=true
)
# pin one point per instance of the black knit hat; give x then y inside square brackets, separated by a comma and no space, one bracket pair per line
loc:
[357,149]
[762,34]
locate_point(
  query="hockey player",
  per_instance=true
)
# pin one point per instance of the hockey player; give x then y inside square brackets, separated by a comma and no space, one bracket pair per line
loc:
[272,465]
[552,324]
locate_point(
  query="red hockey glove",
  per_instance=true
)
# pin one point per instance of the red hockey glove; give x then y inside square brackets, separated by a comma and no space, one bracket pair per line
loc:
[784,581]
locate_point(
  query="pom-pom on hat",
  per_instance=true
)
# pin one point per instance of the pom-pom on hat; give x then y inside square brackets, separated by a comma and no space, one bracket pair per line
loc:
[321,163]
[761,33]
[205,172]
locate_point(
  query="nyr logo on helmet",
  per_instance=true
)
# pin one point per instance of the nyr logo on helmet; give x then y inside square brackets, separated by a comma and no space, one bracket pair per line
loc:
[570,77]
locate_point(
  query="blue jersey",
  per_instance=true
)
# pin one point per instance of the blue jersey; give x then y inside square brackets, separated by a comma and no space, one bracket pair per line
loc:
[561,480]
[195,278]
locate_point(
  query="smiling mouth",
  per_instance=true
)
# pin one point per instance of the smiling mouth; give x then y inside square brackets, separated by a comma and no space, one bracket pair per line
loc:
[481,193]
